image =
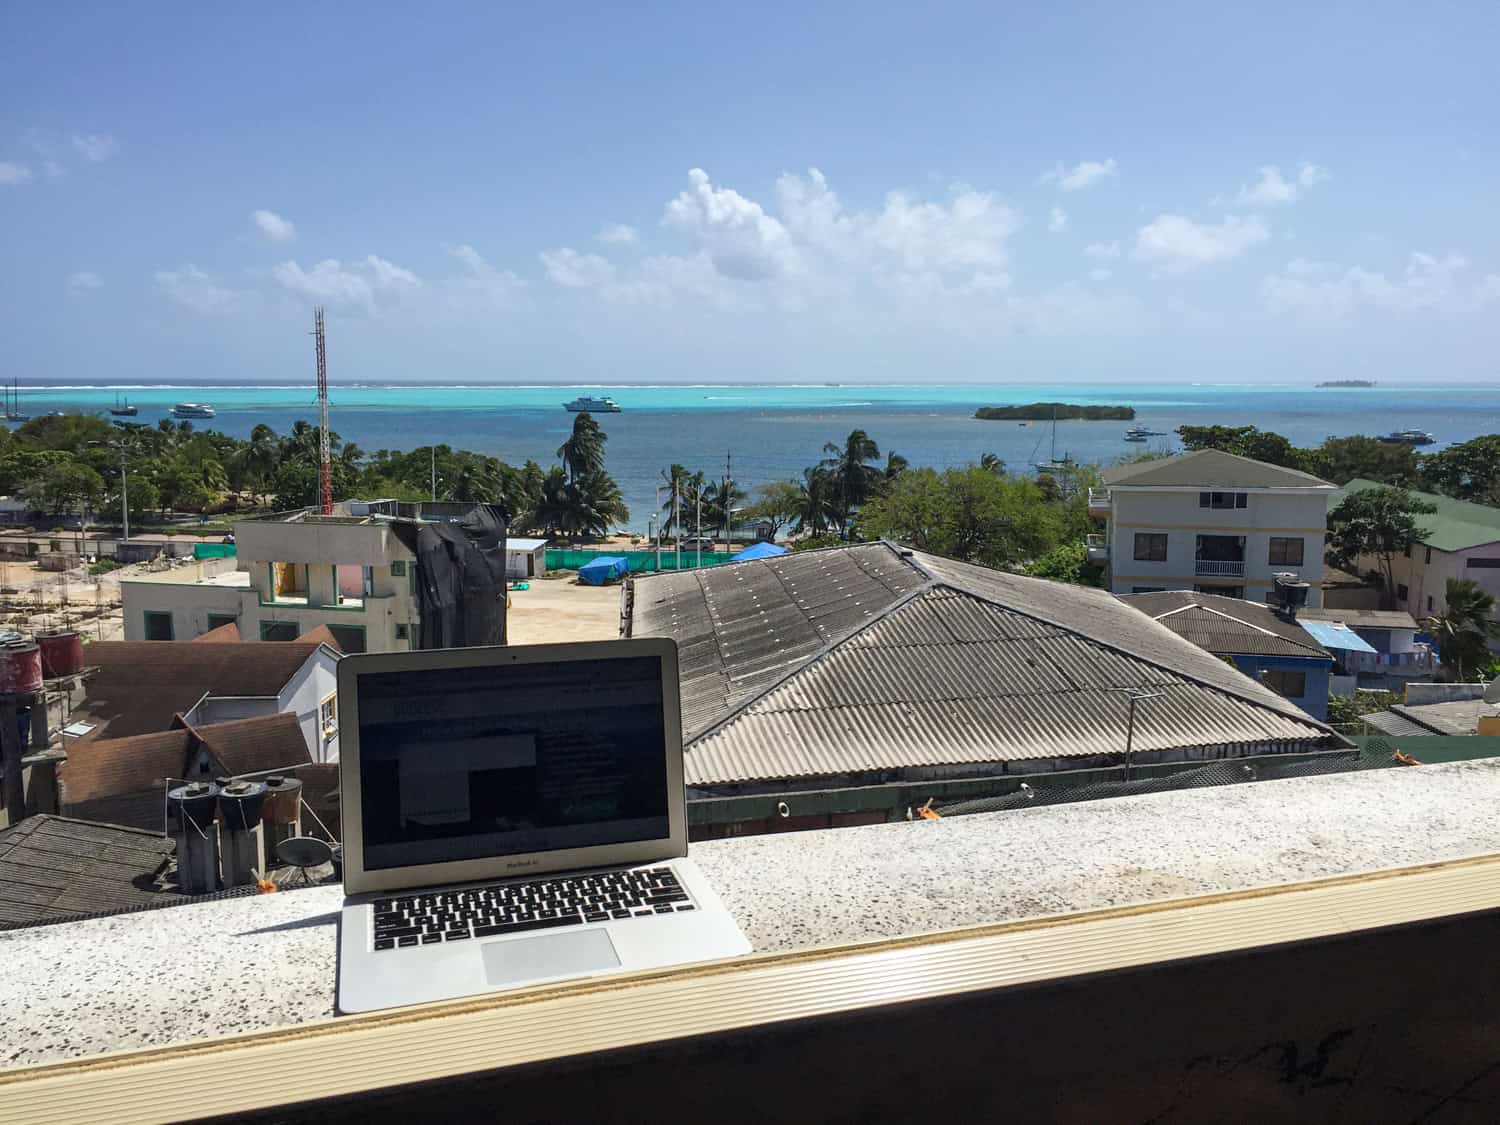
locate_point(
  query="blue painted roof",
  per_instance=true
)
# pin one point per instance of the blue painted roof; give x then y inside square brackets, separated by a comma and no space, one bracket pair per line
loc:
[1331,634]
[758,551]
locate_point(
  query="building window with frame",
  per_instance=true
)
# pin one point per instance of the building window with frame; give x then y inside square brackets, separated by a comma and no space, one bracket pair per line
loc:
[403,632]
[328,718]
[289,582]
[1428,558]
[219,620]
[278,631]
[1223,500]
[1401,591]
[1482,564]
[350,638]
[1286,550]
[158,625]
[398,568]
[1429,603]
[1282,681]
[1150,546]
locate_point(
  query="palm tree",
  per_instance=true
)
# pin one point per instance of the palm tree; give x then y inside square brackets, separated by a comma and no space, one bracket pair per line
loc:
[814,508]
[1464,629]
[583,452]
[719,501]
[854,479]
[552,503]
[895,465]
[678,481]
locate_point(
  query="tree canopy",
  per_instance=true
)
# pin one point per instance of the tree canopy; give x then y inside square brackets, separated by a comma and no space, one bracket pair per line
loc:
[1380,522]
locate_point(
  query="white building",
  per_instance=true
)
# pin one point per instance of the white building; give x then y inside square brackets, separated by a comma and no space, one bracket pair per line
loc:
[292,572]
[525,558]
[1211,522]
[1461,540]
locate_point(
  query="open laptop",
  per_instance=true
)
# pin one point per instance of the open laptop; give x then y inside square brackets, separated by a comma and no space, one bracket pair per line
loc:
[515,815]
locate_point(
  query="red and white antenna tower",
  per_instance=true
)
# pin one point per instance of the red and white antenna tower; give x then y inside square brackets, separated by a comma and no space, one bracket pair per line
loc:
[325,454]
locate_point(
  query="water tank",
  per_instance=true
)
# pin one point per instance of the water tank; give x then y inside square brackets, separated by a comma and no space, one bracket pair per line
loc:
[20,667]
[240,804]
[195,803]
[196,836]
[62,652]
[282,811]
[1292,591]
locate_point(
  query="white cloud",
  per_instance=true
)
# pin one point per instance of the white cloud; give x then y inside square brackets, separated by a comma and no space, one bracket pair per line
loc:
[85,279]
[499,287]
[1322,290]
[618,233]
[1081,175]
[12,173]
[1102,250]
[365,283]
[95,147]
[741,240]
[273,226]
[1180,244]
[191,287]
[1057,220]
[1099,274]
[1274,189]
[572,270]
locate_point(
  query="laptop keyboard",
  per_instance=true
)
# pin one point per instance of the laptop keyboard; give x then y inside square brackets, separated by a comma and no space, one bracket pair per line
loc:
[509,908]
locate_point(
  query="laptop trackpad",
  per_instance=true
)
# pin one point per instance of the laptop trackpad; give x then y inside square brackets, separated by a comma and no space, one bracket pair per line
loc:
[553,955]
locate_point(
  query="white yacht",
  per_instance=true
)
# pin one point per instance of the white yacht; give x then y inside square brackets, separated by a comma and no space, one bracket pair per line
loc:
[192,410]
[592,405]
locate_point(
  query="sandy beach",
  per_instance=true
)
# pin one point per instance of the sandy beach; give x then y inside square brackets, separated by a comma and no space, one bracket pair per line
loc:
[558,609]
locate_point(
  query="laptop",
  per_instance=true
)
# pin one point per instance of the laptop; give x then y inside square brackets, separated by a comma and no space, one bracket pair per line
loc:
[515,815]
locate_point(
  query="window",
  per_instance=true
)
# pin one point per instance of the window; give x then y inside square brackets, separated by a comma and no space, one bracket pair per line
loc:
[1147,589]
[351,638]
[1223,499]
[1150,546]
[1428,559]
[1293,685]
[1401,592]
[278,631]
[218,620]
[1285,551]
[403,632]
[289,581]
[158,625]
[398,568]
[328,718]
[1482,564]
[1429,603]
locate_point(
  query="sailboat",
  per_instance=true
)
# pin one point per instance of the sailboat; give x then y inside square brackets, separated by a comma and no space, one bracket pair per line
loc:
[13,404]
[122,408]
[1052,464]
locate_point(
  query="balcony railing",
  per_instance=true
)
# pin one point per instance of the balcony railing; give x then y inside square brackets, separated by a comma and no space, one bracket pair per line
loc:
[1099,502]
[1097,548]
[1219,568]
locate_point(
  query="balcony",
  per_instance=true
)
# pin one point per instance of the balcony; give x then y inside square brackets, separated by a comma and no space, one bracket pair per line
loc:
[1099,502]
[1097,548]
[1219,568]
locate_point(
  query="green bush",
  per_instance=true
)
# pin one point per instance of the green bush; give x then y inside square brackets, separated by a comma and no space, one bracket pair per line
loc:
[104,566]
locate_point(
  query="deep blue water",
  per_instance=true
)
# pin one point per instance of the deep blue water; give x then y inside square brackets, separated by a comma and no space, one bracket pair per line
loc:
[773,432]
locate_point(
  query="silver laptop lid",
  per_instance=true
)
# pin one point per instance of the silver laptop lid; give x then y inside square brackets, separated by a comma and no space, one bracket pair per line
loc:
[479,763]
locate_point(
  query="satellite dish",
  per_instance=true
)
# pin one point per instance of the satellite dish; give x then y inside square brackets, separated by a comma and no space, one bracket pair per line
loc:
[303,852]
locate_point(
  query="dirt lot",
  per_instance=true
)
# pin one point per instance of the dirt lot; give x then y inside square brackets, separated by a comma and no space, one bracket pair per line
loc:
[556,609]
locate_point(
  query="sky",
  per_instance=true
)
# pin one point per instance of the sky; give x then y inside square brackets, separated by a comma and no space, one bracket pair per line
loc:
[650,192]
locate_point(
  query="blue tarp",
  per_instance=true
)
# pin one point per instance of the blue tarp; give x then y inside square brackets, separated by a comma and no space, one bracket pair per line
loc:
[602,569]
[758,551]
[1332,634]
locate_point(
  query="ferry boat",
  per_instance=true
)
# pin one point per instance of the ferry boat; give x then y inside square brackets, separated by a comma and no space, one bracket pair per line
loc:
[192,410]
[1408,437]
[591,405]
[123,409]
[1141,433]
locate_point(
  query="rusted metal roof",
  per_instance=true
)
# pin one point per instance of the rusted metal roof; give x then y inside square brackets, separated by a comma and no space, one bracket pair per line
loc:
[873,657]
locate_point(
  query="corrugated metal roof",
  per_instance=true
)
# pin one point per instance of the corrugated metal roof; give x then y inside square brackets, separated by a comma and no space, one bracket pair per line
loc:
[931,662]
[1392,723]
[1457,525]
[1227,626]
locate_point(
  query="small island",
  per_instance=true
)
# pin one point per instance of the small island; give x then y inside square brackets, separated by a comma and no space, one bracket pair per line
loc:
[1061,411]
[1348,383]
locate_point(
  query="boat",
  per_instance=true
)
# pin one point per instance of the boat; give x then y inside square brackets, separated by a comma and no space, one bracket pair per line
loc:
[1054,464]
[1408,437]
[192,410]
[590,404]
[1141,433]
[123,409]
[13,404]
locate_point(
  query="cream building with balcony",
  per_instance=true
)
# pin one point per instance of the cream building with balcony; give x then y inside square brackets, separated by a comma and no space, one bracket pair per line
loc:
[1212,522]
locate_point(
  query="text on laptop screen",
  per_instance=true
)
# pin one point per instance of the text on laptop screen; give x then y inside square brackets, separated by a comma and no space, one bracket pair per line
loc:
[467,763]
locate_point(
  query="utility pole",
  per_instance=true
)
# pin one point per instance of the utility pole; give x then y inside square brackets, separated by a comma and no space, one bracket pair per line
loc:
[432,449]
[325,453]
[724,495]
[657,519]
[677,520]
[698,530]
[125,495]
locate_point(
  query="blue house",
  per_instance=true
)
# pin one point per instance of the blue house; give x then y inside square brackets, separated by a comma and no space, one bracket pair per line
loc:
[1260,642]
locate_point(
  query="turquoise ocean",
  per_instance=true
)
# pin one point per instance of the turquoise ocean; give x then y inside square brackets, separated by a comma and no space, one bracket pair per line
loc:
[772,432]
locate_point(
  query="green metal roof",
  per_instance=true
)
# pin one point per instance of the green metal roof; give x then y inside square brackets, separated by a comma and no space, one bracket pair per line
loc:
[1456,525]
[1209,469]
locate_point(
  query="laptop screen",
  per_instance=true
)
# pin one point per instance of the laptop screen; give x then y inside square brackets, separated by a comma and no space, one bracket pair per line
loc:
[470,763]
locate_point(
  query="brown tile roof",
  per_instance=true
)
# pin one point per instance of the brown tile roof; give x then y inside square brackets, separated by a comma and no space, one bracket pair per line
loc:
[52,867]
[123,779]
[226,634]
[140,685]
[319,635]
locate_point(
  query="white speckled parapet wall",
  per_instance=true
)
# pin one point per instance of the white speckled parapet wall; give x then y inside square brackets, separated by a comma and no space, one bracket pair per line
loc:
[178,974]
